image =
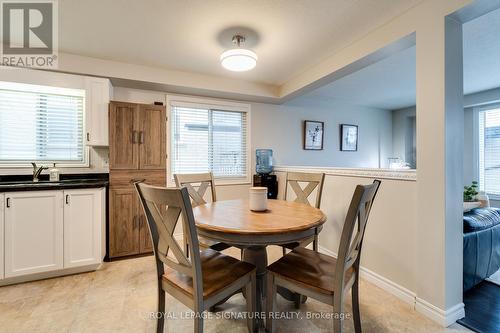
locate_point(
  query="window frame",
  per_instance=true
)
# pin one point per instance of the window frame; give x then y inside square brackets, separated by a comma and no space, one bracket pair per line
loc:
[222,105]
[47,89]
[477,139]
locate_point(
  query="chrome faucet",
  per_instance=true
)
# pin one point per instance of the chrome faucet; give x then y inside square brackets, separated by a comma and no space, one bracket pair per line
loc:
[37,171]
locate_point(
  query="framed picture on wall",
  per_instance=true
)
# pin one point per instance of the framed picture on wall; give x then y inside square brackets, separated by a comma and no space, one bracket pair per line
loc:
[313,135]
[348,137]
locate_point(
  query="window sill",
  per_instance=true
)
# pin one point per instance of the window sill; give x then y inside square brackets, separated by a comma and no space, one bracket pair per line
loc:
[495,197]
[220,182]
[45,164]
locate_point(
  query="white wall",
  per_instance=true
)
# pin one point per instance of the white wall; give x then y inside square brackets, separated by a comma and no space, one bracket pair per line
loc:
[389,248]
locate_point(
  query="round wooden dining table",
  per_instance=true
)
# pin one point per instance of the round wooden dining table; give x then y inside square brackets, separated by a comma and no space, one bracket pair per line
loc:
[233,223]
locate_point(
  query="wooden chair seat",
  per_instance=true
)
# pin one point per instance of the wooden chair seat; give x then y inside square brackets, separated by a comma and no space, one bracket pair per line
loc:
[324,278]
[218,272]
[316,271]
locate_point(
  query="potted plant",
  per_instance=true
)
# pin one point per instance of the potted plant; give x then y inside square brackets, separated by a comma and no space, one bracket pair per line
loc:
[470,197]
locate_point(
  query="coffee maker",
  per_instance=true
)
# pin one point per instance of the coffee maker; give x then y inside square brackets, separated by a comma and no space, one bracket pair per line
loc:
[264,168]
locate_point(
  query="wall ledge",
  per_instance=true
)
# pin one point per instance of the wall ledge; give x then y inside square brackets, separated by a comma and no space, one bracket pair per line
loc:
[405,175]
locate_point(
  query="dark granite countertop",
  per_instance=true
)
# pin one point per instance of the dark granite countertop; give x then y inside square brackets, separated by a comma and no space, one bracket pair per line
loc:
[12,183]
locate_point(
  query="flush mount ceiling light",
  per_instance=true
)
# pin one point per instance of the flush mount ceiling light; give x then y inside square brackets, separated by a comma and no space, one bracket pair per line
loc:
[238,59]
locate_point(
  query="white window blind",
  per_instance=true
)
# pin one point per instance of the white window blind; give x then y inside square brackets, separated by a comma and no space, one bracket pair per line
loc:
[489,150]
[37,125]
[207,139]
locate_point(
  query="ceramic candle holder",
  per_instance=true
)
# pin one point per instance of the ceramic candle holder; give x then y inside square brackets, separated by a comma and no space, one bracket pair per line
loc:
[258,199]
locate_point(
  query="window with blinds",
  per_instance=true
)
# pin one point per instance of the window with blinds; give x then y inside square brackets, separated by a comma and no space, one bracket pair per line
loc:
[489,150]
[208,139]
[41,124]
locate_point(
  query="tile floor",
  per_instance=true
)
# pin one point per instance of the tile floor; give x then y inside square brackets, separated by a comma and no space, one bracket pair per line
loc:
[121,296]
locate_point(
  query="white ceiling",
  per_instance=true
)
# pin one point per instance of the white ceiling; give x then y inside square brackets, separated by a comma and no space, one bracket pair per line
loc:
[183,34]
[390,83]
[482,53]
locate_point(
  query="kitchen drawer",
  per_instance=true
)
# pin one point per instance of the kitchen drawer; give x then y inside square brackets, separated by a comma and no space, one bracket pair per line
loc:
[125,178]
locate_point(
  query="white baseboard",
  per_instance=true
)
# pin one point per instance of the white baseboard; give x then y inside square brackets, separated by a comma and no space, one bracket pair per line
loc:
[383,283]
[48,275]
[445,318]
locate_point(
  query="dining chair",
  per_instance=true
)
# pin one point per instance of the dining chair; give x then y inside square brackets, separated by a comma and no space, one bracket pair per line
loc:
[314,185]
[201,279]
[322,277]
[197,185]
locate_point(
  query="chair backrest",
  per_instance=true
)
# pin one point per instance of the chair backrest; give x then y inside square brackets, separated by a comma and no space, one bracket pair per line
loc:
[314,182]
[351,241]
[164,208]
[197,185]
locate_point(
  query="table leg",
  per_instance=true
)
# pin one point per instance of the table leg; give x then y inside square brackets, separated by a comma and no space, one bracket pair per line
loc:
[257,256]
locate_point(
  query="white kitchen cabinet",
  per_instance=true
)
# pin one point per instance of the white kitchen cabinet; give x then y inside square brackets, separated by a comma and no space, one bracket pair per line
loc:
[33,232]
[2,196]
[97,97]
[84,211]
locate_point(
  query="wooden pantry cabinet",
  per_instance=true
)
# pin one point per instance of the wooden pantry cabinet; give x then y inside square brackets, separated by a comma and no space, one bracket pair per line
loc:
[137,152]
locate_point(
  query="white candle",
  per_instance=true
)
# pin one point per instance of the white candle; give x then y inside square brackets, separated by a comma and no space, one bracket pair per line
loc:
[258,199]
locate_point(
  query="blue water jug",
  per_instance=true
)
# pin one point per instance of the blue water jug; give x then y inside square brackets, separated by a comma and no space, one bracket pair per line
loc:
[264,158]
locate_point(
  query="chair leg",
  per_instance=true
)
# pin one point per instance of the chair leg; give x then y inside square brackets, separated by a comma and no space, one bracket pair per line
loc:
[299,300]
[198,322]
[250,293]
[161,311]
[338,310]
[355,306]
[270,302]
[315,243]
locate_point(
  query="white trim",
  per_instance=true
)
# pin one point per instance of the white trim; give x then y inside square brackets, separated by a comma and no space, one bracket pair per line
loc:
[192,101]
[176,100]
[60,164]
[444,318]
[406,175]
[49,274]
[475,143]
[383,283]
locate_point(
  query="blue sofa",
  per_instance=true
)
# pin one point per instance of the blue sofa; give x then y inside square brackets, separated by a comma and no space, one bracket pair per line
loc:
[481,245]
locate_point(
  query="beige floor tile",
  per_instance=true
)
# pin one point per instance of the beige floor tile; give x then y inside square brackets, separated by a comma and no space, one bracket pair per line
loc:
[121,296]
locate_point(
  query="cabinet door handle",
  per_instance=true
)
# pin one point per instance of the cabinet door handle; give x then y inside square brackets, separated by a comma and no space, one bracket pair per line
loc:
[141,137]
[134,134]
[8,202]
[88,136]
[67,199]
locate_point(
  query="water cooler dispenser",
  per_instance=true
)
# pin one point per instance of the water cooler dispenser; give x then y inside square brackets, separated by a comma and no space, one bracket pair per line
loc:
[264,167]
